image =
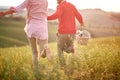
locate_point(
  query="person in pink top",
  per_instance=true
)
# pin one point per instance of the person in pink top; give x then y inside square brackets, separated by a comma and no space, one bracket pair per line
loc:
[36,27]
[66,14]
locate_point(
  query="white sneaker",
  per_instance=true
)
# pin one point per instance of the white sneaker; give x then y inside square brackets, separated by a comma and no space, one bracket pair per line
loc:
[43,53]
[48,53]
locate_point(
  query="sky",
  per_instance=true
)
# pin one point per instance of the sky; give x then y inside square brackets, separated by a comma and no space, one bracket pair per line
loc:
[106,5]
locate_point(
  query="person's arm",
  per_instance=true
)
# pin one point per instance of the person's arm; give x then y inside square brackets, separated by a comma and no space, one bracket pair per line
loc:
[6,12]
[15,9]
[2,14]
[55,15]
[21,6]
[78,16]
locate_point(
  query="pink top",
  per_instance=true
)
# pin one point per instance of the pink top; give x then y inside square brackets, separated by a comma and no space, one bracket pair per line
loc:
[36,21]
[66,14]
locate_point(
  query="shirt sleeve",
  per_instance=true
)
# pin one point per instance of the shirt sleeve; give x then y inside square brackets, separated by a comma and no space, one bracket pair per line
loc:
[57,13]
[78,16]
[21,6]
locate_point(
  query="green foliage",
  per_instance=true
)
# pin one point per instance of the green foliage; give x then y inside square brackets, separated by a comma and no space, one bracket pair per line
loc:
[99,60]
[12,32]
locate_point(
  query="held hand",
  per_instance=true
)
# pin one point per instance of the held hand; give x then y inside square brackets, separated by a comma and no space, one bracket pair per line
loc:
[11,10]
[2,14]
[82,28]
[7,12]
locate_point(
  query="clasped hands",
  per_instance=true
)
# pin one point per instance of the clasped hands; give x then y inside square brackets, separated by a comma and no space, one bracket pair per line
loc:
[9,11]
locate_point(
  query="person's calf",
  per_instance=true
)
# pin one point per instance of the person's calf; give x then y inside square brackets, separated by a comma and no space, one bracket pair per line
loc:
[35,62]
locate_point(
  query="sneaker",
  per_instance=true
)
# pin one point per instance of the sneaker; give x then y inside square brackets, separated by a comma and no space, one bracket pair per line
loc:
[48,54]
[43,53]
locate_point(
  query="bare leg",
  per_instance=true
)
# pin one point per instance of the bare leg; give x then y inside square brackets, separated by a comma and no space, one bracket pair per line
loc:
[44,49]
[41,47]
[33,45]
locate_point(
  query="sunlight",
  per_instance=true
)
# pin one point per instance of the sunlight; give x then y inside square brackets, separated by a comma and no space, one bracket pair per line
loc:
[107,5]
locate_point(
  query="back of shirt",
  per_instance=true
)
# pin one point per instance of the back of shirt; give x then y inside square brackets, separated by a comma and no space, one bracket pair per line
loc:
[36,9]
[66,14]
[67,23]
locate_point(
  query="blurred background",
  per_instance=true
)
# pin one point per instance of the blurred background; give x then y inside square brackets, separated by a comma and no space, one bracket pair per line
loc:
[101,18]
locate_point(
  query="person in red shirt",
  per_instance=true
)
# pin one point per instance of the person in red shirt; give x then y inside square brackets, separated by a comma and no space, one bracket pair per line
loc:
[66,14]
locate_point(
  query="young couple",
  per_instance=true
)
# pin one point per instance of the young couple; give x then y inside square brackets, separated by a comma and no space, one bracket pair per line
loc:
[36,27]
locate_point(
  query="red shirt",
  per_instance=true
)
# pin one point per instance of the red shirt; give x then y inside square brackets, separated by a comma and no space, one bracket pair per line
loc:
[66,14]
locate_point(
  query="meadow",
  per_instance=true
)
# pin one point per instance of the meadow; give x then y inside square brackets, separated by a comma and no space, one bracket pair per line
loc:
[98,60]
[12,32]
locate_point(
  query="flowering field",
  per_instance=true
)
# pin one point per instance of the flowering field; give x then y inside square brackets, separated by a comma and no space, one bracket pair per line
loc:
[99,60]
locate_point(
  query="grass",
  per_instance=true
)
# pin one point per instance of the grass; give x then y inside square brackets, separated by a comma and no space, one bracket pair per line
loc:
[12,32]
[99,60]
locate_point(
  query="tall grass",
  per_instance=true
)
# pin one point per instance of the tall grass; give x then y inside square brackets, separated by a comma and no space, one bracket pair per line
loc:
[99,60]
